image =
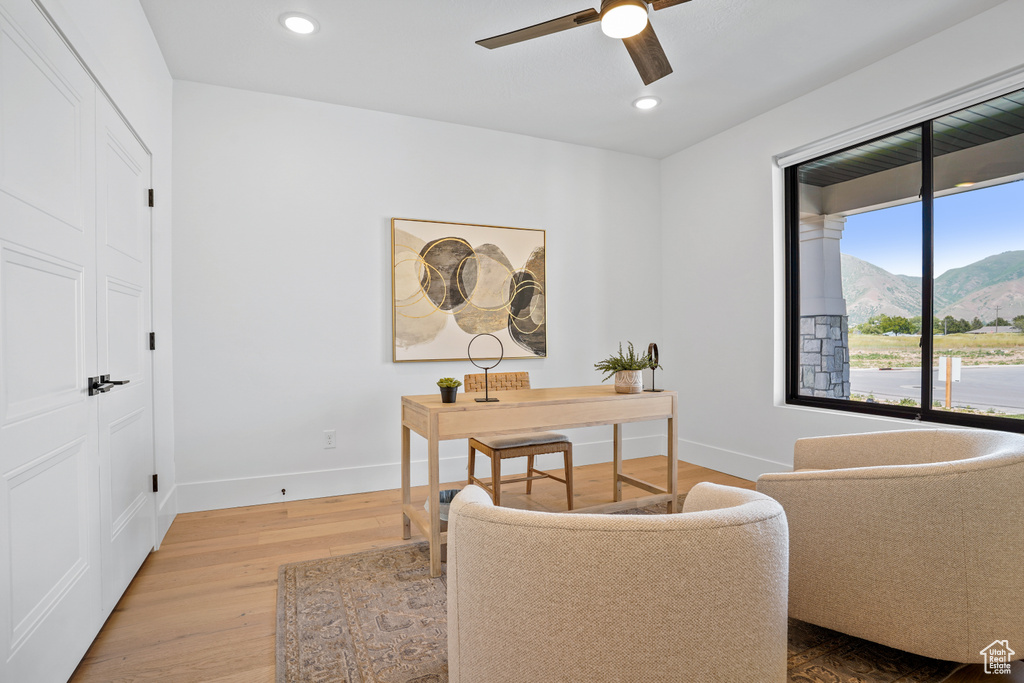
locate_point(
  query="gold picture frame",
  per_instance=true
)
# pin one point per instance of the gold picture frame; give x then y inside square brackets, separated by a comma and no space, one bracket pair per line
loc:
[452,281]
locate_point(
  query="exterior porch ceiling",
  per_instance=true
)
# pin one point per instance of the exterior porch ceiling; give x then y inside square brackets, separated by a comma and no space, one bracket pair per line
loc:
[978,125]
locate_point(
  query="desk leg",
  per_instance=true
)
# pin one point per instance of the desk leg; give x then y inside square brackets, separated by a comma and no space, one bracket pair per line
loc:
[673,463]
[406,481]
[435,503]
[617,460]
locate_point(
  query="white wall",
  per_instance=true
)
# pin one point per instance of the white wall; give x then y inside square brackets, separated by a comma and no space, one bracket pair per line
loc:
[114,39]
[282,287]
[723,246]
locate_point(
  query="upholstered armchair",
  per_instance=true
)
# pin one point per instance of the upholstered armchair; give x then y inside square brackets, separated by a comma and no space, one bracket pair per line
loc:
[546,598]
[911,539]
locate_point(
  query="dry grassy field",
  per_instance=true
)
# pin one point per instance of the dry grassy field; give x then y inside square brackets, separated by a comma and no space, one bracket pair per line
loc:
[877,351]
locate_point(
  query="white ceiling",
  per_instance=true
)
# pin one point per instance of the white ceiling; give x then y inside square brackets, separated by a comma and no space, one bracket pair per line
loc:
[733,59]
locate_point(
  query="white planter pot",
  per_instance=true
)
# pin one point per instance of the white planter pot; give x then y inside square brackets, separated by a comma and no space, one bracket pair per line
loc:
[629,381]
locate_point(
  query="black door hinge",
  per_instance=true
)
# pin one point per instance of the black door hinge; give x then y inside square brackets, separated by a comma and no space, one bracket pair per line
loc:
[156,487]
[152,341]
[150,197]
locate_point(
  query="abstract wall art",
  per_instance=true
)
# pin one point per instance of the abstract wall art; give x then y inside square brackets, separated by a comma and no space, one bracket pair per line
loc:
[452,281]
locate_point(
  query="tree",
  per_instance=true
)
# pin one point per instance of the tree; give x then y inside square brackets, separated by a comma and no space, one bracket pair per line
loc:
[951,325]
[1018,322]
[870,326]
[1000,322]
[976,324]
[896,324]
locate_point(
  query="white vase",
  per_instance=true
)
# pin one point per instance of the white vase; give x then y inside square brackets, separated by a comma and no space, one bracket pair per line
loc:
[629,381]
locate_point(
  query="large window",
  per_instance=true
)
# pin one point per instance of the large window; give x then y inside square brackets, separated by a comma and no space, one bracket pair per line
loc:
[906,272]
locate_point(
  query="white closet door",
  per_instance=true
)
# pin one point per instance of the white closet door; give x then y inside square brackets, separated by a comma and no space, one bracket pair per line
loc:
[127,508]
[49,536]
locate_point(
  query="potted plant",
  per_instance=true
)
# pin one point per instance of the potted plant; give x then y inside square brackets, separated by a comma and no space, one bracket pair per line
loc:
[449,387]
[628,369]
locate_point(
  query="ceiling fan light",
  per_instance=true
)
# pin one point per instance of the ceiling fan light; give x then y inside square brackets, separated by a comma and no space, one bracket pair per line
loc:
[623,18]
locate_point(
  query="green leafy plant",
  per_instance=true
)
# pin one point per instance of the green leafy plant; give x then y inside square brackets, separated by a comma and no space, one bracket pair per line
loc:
[448,382]
[631,360]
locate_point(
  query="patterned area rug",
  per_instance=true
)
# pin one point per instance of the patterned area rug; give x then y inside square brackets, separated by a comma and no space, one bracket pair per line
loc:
[378,617]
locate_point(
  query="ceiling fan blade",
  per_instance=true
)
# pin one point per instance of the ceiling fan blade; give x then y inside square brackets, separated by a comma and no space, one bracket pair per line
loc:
[648,55]
[586,16]
[662,4]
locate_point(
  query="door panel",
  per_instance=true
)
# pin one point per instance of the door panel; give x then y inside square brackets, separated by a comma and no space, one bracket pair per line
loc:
[45,501]
[50,585]
[130,522]
[126,325]
[41,135]
[128,437]
[127,505]
[125,210]
[40,333]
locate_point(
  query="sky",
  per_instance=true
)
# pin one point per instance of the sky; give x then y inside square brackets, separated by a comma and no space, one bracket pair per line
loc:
[968,227]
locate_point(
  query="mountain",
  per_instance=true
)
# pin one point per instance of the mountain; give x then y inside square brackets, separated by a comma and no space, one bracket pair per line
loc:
[870,290]
[1008,296]
[957,283]
[972,291]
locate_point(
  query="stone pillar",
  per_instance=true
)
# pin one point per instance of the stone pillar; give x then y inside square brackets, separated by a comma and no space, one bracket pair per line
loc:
[824,335]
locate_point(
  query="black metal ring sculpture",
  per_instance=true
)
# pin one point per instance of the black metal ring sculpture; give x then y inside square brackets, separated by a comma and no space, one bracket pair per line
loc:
[487,397]
[652,353]
[470,355]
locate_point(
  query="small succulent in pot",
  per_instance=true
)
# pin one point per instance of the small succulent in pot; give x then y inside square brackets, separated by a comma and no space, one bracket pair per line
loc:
[627,368]
[449,388]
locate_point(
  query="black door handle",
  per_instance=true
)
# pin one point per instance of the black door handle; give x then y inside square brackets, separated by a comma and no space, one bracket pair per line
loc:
[103,384]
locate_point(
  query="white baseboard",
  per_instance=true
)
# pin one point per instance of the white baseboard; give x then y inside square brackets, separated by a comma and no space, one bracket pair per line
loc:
[730,462]
[166,509]
[229,493]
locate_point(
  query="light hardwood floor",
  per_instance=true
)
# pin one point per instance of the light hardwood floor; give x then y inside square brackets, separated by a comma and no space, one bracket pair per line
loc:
[202,608]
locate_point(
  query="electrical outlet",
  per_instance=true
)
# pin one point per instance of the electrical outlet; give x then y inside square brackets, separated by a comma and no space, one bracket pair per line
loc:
[330,438]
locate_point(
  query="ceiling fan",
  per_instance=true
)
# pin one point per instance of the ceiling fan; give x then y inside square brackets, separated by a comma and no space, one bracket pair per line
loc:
[625,19]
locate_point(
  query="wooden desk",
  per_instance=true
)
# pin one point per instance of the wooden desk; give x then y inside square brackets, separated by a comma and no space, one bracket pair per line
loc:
[530,410]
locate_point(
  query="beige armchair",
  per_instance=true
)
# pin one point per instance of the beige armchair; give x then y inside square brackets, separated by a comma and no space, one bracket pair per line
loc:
[911,539]
[546,598]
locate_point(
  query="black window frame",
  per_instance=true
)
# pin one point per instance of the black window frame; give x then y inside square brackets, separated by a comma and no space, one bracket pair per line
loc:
[925,412]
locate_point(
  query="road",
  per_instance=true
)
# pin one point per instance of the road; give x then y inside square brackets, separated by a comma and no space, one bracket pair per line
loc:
[999,387]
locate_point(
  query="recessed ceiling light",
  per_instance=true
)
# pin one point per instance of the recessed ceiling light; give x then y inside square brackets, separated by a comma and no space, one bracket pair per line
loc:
[646,102]
[623,18]
[965,184]
[299,23]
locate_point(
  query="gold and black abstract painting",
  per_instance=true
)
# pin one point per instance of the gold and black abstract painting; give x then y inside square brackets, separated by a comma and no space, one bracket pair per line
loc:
[453,281]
